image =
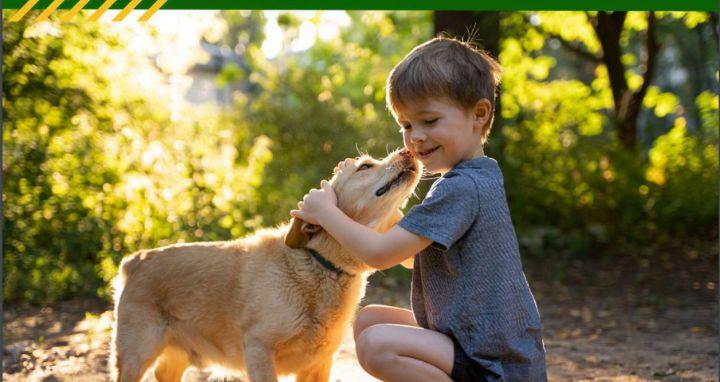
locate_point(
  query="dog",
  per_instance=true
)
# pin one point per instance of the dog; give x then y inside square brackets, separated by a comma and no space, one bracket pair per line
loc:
[273,303]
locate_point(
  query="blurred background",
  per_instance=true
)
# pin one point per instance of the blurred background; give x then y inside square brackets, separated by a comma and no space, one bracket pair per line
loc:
[207,125]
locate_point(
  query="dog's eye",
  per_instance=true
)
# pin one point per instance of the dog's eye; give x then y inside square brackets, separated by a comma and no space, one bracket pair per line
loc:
[364,166]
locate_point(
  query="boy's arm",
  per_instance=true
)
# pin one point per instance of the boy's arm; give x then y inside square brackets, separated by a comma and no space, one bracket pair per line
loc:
[378,250]
[409,263]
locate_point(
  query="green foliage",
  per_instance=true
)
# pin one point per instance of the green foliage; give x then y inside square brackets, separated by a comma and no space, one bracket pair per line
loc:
[93,171]
[683,172]
[573,190]
[98,162]
[51,240]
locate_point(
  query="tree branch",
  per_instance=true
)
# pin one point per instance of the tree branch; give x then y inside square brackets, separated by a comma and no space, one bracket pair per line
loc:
[652,49]
[715,25]
[572,47]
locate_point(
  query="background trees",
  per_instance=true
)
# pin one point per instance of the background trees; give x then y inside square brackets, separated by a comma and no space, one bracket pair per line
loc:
[607,133]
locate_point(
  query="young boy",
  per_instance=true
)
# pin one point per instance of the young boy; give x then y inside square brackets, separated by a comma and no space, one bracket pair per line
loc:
[473,316]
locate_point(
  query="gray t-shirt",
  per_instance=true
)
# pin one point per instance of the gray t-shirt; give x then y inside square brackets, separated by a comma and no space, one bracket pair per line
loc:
[469,282]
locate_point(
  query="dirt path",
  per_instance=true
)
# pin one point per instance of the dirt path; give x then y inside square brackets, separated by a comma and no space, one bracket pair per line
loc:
[588,337]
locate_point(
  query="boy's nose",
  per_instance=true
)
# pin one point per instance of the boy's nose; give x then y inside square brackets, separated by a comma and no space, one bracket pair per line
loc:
[417,136]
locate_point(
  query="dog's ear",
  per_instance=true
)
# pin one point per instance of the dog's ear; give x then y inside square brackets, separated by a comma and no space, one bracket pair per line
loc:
[295,238]
[300,233]
[310,229]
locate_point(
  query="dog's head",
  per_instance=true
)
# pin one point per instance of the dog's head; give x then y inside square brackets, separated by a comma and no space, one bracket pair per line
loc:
[369,191]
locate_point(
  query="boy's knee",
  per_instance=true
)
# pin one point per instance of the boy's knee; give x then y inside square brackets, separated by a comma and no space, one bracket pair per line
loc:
[374,350]
[365,318]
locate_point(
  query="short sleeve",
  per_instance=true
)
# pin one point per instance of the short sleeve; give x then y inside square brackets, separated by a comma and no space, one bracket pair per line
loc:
[448,211]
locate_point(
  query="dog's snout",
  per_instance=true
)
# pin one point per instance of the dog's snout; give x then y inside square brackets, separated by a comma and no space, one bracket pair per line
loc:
[407,159]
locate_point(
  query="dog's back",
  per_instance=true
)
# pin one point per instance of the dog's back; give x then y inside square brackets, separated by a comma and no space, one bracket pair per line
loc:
[158,268]
[158,291]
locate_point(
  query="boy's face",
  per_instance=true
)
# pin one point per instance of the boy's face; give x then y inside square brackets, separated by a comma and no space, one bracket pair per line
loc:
[440,133]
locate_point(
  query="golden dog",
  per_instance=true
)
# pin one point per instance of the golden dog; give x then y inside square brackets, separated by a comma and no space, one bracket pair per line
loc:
[276,302]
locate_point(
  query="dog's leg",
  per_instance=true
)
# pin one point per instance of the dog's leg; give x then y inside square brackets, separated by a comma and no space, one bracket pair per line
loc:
[259,361]
[318,373]
[138,342]
[134,359]
[171,365]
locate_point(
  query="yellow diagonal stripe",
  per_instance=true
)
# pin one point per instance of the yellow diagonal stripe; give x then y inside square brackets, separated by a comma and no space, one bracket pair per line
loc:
[71,13]
[46,13]
[120,16]
[106,5]
[20,13]
[146,16]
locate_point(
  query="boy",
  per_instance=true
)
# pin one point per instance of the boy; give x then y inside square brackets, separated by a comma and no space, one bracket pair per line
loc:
[473,316]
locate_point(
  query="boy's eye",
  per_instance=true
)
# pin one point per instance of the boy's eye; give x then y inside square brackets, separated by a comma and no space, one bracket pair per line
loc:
[365,166]
[405,127]
[431,121]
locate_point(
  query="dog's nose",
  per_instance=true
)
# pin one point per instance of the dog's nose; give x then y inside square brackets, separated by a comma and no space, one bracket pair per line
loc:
[405,153]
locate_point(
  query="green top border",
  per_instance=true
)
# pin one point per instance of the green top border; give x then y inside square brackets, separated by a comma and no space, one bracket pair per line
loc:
[495,5]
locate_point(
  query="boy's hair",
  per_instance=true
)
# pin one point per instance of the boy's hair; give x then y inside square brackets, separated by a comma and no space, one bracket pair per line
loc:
[444,67]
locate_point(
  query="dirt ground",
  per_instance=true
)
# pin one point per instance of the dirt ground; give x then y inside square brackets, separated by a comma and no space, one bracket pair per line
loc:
[599,324]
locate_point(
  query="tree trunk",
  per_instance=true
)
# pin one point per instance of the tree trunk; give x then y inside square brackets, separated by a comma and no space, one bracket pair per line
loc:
[628,104]
[483,28]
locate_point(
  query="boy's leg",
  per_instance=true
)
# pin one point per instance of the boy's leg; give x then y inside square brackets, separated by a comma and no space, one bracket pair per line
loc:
[395,353]
[381,314]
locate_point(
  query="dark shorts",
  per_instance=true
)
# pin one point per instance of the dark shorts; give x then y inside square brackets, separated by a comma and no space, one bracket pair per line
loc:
[465,369]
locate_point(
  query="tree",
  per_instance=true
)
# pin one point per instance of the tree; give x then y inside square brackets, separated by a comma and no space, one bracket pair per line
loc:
[608,27]
[562,142]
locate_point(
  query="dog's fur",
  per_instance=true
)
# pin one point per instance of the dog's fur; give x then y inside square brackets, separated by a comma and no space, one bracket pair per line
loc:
[254,304]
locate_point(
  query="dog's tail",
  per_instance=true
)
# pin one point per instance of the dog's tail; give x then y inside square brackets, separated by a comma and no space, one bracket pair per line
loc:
[127,267]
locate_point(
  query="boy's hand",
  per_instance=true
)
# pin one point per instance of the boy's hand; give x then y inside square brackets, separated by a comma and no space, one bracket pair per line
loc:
[316,203]
[343,164]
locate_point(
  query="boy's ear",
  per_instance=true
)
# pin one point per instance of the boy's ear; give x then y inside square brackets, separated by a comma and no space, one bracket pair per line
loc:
[482,113]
